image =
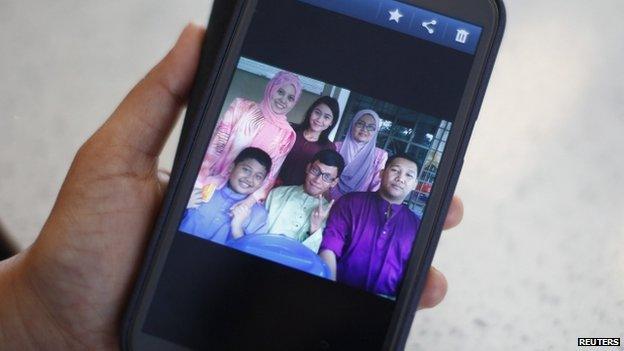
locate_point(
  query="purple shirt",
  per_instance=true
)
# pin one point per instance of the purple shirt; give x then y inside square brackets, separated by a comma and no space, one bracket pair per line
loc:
[371,251]
[294,166]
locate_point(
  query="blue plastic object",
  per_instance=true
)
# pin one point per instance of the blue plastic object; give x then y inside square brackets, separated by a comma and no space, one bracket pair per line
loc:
[284,250]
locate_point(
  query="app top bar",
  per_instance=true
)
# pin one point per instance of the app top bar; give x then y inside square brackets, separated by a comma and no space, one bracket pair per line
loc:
[409,20]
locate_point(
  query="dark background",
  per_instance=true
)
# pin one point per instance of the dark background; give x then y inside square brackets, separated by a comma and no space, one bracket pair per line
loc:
[358,56]
[211,295]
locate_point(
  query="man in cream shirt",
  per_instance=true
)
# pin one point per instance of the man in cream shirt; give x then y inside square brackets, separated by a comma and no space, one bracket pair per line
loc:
[300,211]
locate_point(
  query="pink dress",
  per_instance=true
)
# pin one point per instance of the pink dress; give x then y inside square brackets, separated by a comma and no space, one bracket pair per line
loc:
[244,125]
[373,179]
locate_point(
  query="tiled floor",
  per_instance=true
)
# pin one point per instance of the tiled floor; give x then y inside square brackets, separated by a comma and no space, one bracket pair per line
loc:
[538,260]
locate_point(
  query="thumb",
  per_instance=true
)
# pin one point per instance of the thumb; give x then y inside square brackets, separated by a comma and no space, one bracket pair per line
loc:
[163,178]
[144,119]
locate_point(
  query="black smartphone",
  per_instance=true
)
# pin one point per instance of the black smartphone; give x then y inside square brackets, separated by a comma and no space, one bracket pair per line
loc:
[320,152]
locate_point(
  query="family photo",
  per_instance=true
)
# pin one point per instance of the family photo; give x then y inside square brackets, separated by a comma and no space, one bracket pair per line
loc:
[316,177]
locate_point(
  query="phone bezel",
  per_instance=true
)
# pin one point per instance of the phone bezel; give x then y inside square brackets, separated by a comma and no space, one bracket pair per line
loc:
[206,91]
[222,33]
[493,24]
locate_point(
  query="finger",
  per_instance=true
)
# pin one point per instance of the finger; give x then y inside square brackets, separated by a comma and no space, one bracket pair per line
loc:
[144,119]
[197,195]
[320,205]
[435,289]
[331,204]
[163,178]
[455,213]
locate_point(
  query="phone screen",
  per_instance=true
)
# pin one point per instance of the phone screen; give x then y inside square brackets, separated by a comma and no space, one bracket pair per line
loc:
[315,182]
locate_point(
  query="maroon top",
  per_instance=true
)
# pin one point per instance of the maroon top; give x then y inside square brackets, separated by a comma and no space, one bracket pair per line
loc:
[294,166]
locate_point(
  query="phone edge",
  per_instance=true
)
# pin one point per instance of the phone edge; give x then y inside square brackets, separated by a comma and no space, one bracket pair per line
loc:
[400,328]
[213,53]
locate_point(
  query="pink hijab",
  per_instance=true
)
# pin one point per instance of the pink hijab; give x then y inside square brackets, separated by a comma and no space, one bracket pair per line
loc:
[281,79]
[246,131]
[358,156]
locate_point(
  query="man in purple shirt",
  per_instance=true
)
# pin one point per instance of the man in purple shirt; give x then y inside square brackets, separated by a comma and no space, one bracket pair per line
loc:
[369,235]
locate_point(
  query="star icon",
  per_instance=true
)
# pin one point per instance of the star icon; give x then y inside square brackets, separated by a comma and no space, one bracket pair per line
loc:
[395,15]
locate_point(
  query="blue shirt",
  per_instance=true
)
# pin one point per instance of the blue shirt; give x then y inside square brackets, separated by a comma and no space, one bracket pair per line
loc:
[212,220]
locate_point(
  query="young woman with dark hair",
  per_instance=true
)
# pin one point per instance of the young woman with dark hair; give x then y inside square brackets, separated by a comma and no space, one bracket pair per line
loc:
[312,137]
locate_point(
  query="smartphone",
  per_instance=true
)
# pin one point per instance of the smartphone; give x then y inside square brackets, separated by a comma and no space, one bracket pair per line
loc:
[320,152]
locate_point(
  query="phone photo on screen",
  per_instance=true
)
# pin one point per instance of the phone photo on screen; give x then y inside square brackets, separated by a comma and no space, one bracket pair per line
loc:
[308,208]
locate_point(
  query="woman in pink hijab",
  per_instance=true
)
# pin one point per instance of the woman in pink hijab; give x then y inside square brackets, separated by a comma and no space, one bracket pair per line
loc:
[364,161]
[249,124]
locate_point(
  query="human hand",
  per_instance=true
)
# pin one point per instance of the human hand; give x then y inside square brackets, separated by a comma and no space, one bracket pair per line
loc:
[436,285]
[196,198]
[239,215]
[68,290]
[249,201]
[319,214]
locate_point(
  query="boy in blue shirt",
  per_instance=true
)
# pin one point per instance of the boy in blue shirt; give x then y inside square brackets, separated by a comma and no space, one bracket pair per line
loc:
[213,218]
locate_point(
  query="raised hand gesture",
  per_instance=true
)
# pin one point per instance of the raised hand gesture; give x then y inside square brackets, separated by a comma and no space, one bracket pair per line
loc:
[239,214]
[319,214]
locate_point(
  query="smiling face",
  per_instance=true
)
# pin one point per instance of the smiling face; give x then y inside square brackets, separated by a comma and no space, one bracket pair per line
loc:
[321,118]
[283,99]
[247,176]
[398,179]
[319,178]
[364,129]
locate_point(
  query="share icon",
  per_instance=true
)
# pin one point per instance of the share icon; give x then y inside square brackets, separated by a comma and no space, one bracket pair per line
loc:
[430,26]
